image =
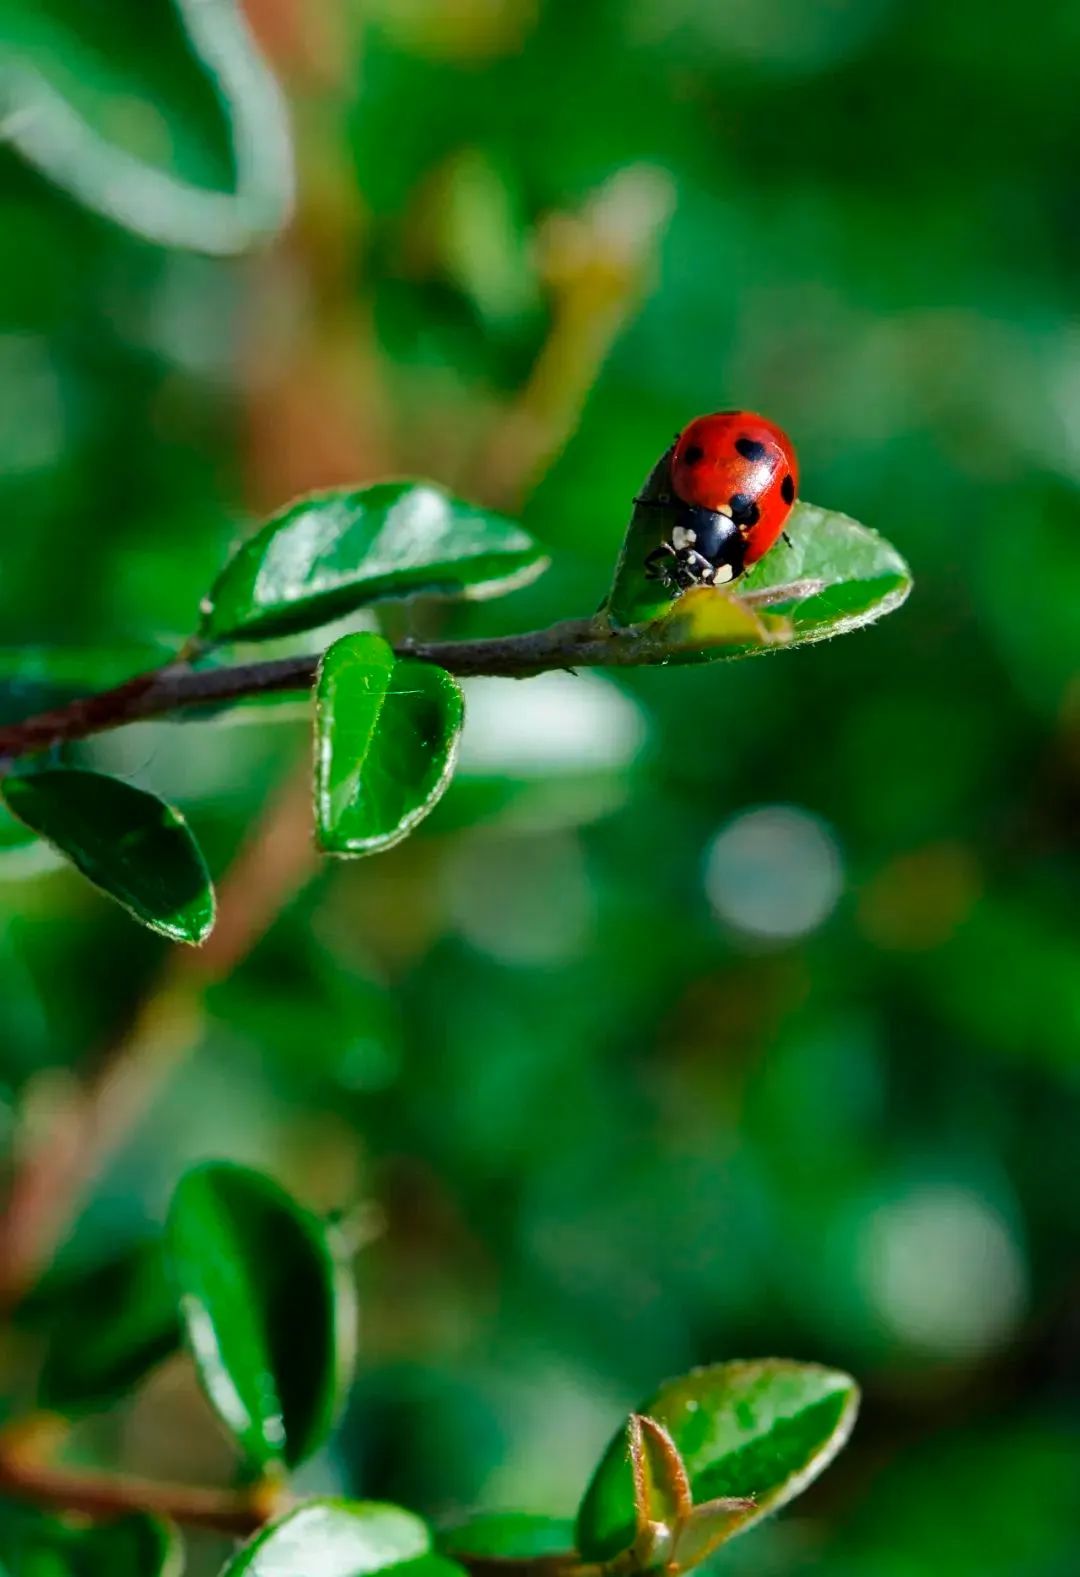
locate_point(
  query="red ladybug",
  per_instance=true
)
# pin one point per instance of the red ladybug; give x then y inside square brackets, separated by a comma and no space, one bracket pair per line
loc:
[734,477]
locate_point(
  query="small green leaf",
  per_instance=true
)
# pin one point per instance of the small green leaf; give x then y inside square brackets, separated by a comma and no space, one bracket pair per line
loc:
[508,1536]
[338,1538]
[127,842]
[268,1311]
[325,556]
[106,1326]
[387,731]
[762,1428]
[135,1546]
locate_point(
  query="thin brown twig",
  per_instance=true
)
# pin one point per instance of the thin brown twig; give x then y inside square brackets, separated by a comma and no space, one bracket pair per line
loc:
[574,643]
[90,1121]
[103,1496]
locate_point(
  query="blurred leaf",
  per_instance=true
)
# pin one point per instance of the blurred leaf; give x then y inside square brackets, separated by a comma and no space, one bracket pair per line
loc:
[327,555]
[67,83]
[33,1545]
[508,1535]
[106,1326]
[387,732]
[268,1311]
[763,1428]
[129,843]
[338,1538]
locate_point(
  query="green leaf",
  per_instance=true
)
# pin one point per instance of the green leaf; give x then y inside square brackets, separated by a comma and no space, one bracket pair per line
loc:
[115,104]
[33,1545]
[338,1538]
[763,1428]
[106,1326]
[127,842]
[325,556]
[834,576]
[387,731]
[268,1311]
[508,1535]
[857,576]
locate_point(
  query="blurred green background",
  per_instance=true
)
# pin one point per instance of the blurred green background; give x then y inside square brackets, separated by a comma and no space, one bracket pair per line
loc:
[718,1012]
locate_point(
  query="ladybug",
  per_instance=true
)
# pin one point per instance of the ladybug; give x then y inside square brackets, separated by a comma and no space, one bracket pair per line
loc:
[734,477]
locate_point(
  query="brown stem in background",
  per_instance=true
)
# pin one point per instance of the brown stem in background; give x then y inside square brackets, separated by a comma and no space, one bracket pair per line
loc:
[104,1497]
[87,1124]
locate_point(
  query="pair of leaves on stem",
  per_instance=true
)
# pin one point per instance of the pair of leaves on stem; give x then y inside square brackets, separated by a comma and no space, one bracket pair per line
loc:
[709,1455]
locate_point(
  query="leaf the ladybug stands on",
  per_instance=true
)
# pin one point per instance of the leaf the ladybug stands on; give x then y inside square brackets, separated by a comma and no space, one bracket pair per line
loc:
[714,544]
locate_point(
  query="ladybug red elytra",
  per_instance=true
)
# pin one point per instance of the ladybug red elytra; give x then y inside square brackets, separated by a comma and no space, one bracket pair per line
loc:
[734,477]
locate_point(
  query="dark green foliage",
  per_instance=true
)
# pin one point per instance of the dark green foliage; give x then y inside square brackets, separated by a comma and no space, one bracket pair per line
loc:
[735,1012]
[267,1311]
[105,1327]
[127,842]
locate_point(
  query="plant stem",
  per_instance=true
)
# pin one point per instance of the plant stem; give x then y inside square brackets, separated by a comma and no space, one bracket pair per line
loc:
[177,686]
[574,643]
[103,1496]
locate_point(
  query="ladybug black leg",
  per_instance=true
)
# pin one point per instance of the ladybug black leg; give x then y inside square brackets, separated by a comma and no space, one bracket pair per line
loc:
[787,539]
[658,563]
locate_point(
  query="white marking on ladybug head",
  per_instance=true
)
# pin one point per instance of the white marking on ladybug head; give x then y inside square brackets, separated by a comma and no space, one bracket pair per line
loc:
[683,537]
[723,574]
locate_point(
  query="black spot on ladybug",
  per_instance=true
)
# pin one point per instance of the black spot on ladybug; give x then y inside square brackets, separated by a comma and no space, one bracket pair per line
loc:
[750,449]
[744,511]
[787,489]
[693,454]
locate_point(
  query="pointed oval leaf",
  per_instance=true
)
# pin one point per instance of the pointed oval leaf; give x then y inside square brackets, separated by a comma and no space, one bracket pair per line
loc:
[133,1546]
[105,1325]
[386,738]
[763,1428]
[336,1538]
[329,554]
[129,843]
[268,1311]
[508,1536]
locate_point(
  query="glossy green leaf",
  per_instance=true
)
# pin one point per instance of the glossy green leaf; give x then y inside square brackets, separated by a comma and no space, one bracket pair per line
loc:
[129,843]
[387,731]
[268,1312]
[115,105]
[105,1327]
[337,1538]
[762,1428]
[833,576]
[327,555]
[34,1545]
[508,1536]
